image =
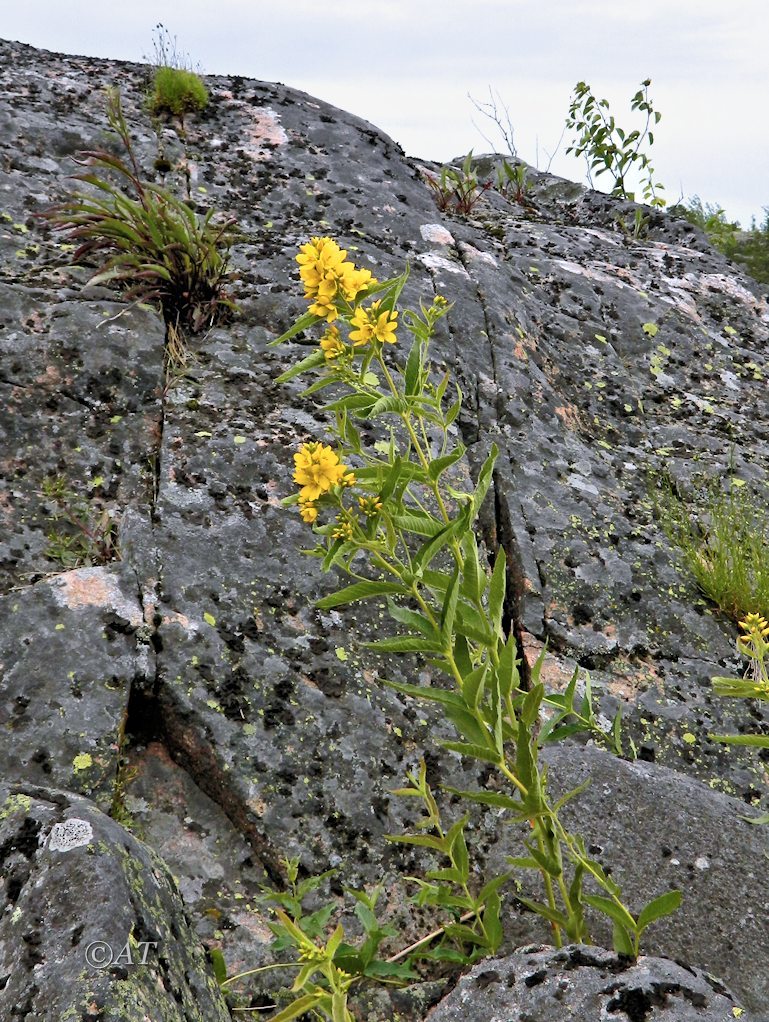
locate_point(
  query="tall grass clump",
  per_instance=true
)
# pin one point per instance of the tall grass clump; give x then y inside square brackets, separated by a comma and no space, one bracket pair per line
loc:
[147,242]
[723,536]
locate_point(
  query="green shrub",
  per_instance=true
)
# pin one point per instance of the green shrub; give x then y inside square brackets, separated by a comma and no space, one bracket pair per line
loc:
[177,92]
[611,150]
[748,248]
[711,219]
[723,537]
[751,249]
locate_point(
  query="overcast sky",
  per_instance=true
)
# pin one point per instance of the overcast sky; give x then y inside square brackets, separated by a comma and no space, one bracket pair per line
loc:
[408,66]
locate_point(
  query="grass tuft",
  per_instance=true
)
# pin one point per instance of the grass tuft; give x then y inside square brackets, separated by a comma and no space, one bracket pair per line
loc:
[723,536]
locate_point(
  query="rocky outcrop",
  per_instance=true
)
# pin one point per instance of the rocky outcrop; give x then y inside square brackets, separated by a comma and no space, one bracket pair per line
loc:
[92,924]
[578,982]
[192,686]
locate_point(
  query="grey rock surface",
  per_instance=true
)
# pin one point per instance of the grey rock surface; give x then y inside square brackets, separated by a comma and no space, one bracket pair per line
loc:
[655,830]
[583,984]
[92,925]
[203,641]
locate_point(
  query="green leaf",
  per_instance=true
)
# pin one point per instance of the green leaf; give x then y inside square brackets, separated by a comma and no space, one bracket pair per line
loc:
[385,970]
[421,840]
[473,684]
[622,941]
[610,908]
[391,480]
[754,741]
[491,921]
[544,862]
[360,591]
[544,910]
[303,323]
[436,695]
[461,932]
[484,480]
[439,465]
[529,711]
[497,591]
[522,862]
[361,402]
[508,678]
[413,367]
[297,1008]
[449,609]
[473,625]
[412,619]
[404,644]
[486,798]
[385,405]
[429,550]
[220,966]
[448,875]
[665,905]
[467,725]
[317,358]
[472,751]
[419,524]
[339,1012]
[472,579]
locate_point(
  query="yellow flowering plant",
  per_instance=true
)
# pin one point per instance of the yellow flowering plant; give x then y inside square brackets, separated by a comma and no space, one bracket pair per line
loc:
[398,521]
[752,643]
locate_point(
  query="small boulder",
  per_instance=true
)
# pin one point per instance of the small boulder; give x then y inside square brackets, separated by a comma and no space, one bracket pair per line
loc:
[92,926]
[584,984]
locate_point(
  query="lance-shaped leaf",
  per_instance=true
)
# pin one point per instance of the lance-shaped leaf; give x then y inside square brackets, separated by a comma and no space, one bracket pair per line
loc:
[484,480]
[303,323]
[497,591]
[404,644]
[317,358]
[439,465]
[360,591]
[665,905]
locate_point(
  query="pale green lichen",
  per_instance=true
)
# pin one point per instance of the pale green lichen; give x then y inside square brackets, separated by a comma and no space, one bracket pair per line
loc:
[15,804]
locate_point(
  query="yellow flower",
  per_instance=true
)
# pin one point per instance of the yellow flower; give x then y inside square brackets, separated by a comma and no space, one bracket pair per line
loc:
[363,331]
[370,506]
[320,259]
[371,324]
[308,510]
[354,281]
[348,479]
[755,624]
[331,344]
[342,531]
[318,469]
[327,274]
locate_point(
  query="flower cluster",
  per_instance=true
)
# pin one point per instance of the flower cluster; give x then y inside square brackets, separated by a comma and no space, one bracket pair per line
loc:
[336,289]
[328,275]
[317,471]
[755,626]
[373,324]
[753,644]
